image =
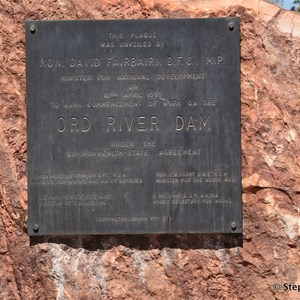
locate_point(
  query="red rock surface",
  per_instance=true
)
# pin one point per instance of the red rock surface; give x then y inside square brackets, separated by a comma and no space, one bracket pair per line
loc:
[166,267]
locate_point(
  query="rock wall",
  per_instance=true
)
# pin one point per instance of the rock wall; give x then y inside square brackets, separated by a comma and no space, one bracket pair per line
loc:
[153,266]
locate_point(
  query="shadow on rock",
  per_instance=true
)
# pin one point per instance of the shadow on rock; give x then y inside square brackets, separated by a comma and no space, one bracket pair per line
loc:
[145,242]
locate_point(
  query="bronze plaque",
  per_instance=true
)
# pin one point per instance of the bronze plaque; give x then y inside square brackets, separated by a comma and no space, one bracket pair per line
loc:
[133,126]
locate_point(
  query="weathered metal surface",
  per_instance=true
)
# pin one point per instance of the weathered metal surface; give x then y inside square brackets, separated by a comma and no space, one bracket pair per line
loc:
[133,126]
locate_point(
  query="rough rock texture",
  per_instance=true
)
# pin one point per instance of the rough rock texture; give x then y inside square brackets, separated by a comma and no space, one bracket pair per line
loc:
[166,267]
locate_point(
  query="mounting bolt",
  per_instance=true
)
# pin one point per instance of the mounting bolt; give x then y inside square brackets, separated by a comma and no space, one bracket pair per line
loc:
[233,226]
[32,28]
[231,26]
[36,228]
